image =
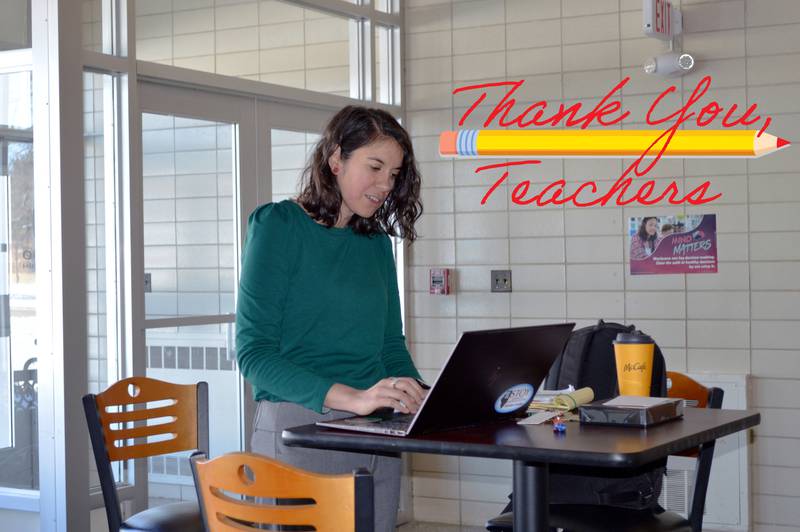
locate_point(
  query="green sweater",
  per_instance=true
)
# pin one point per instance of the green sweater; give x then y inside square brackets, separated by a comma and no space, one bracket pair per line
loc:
[316,306]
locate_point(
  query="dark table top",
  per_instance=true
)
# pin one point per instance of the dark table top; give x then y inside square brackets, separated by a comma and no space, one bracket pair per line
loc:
[581,445]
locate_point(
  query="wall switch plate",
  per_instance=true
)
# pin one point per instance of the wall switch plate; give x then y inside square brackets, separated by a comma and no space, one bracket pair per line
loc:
[501,281]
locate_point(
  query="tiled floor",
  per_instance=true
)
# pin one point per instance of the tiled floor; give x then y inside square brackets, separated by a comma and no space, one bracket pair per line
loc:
[436,527]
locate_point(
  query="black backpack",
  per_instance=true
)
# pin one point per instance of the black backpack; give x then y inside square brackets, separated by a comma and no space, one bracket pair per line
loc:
[588,360]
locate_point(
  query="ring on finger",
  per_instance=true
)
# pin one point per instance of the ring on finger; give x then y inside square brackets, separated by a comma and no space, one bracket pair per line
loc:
[394,382]
[403,404]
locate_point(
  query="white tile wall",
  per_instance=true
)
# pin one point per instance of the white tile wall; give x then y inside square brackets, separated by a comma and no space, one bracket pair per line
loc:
[522,10]
[570,263]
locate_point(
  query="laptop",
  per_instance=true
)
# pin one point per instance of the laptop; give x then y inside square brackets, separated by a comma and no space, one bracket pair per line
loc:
[490,375]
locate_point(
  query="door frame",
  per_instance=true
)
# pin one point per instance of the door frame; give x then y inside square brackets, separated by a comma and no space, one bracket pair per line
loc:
[166,99]
[255,115]
[12,62]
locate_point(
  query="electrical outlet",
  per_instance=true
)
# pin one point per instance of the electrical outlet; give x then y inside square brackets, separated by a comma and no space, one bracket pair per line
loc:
[501,281]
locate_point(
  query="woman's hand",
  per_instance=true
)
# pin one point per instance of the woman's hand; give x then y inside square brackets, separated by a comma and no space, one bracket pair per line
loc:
[403,394]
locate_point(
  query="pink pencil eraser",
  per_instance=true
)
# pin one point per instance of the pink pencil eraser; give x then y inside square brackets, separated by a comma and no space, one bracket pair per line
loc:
[447,143]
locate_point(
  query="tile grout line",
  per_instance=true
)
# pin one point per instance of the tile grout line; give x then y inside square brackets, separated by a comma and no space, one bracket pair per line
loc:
[455,233]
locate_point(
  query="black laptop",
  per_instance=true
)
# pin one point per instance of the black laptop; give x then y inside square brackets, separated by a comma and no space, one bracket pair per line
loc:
[490,375]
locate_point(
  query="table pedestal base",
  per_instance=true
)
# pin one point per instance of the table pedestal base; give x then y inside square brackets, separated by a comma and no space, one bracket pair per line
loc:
[530,497]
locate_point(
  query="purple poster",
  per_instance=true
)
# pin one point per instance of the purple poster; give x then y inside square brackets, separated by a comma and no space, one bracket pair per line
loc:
[682,243]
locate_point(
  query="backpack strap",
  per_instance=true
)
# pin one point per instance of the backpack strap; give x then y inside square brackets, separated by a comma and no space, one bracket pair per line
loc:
[641,497]
[571,364]
[554,374]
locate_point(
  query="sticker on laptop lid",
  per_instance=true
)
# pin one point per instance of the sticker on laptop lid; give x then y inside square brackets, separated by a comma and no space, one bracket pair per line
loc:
[514,398]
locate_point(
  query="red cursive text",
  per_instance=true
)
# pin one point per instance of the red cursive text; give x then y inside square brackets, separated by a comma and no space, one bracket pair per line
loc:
[607,112]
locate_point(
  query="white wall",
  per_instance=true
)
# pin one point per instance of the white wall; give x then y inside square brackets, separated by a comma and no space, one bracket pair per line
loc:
[569,263]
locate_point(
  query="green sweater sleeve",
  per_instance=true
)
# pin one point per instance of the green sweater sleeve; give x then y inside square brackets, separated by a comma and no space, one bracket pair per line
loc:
[395,355]
[270,250]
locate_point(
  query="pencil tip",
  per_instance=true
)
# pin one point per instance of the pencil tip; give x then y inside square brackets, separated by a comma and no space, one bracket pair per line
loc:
[783,142]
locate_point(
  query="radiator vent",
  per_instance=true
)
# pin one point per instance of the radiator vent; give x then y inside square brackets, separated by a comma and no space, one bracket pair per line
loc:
[676,494]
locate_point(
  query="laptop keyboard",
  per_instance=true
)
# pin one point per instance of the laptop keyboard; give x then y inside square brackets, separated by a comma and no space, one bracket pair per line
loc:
[400,422]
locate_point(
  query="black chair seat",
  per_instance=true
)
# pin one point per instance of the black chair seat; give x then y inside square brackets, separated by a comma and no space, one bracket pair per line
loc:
[175,517]
[588,518]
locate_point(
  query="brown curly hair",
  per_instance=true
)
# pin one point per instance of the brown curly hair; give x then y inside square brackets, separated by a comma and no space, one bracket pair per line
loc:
[351,128]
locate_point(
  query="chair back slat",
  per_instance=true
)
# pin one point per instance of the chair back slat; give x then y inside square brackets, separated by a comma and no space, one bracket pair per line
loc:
[147,450]
[684,387]
[228,510]
[141,414]
[229,494]
[145,390]
[161,429]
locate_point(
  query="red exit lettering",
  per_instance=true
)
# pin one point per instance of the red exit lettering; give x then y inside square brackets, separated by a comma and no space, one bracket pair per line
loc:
[663,14]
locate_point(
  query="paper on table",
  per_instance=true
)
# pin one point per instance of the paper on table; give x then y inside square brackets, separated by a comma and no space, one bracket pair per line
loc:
[538,418]
[547,396]
[636,401]
[565,402]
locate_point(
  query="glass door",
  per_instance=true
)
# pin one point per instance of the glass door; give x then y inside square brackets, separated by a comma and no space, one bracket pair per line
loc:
[205,167]
[19,448]
[198,174]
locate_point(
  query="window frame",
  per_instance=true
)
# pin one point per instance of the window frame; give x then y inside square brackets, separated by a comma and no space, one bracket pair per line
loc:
[14,61]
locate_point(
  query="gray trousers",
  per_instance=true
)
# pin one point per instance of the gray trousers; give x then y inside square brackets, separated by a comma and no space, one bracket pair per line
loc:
[271,418]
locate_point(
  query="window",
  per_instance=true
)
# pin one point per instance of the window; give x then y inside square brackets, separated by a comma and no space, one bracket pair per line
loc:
[387,64]
[271,41]
[19,448]
[188,216]
[388,6]
[15,25]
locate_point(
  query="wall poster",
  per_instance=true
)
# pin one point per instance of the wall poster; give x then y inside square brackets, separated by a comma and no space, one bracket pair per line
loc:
[681,243]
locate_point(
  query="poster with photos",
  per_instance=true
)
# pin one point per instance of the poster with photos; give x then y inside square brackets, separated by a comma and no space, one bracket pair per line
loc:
[680,243]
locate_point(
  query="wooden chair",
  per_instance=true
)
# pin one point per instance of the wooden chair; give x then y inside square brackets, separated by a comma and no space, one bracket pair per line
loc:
[231,490]
[681,386]
[109,415]
[592,518]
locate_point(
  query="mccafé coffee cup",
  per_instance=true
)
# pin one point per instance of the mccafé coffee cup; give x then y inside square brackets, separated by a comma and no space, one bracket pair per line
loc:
[634,354]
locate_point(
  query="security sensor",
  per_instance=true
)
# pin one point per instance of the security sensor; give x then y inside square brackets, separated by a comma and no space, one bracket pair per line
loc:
[671,64]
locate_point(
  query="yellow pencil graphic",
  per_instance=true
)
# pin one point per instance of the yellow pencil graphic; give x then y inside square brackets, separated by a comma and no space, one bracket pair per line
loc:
[607,143]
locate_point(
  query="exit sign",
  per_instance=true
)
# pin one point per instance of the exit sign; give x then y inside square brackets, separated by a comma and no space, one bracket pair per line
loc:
[661,19]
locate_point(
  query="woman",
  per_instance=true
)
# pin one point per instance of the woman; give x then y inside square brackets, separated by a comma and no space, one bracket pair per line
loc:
[643,243]
[318,327]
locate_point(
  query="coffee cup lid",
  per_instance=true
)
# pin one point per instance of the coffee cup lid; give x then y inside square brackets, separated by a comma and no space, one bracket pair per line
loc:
[635,337]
